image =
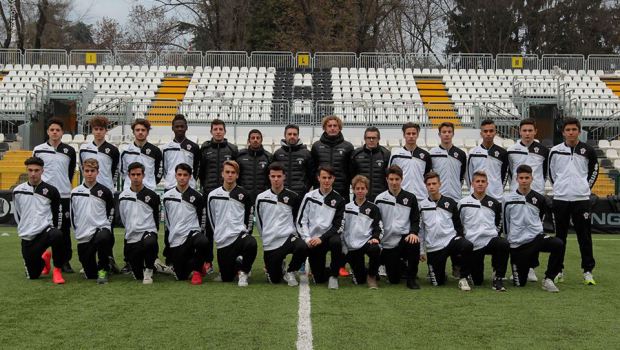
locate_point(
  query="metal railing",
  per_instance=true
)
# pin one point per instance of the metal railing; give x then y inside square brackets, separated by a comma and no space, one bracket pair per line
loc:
[565,62]
[91,57]
[225,59]
[180,58]
[278,59]
[380,60]
[327,60]
[606,63]
[46,56]
[471,61]
[609,130]
[136,58]
[516,61]
[424,60]
[10,56]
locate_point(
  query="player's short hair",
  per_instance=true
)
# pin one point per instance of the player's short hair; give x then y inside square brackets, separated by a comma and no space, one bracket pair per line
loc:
[394,169]
[291,126]
[276,166]
[571,121]
[524,168]
[135,165]
[231,163]
[255,131]
[328,169]
[446,125]
[56,121]
[329,118]
[91,163]
[360,178]
[217,121]
[527,121]
[431,175]
[184,167]
[372,129]
[99,122]
[34,161]
[480,173]
[179,117]
[411,125]
[487,121]
[141,121]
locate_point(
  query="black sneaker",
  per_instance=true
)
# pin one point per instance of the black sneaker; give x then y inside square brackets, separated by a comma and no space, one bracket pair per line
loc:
[412,284]
[114,267]
[126,269]
[66,268]
[498,285]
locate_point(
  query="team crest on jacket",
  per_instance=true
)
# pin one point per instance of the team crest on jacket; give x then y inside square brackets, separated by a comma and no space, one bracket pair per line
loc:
[586,215]
[285,199]
[367,211]
[189,147]
[447,205]
[147,199]
[300,161]
[421,155]
[456,155]
[65,150]
[490,203]
[534,200]
[582,151]
[496,153]
[333,202]
[148,151]
[45,191]
[405,201]
[107,150]
[240,196]
[99,193]
[192,199]
[536,149]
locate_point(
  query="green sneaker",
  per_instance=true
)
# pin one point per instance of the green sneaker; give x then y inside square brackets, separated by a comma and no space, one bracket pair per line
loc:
[588,279]
[102,277]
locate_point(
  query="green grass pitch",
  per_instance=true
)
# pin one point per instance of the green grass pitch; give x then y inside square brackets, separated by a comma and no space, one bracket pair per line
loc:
[171,314]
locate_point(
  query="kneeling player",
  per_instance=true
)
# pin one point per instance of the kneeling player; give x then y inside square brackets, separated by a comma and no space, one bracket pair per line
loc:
[185,222]
[229,209]
[276,210]
[319,223]
[139,209]
[523,212]
[401,224]
[362,233]
[38,216]
[481,218]
[92,212]
[442,234]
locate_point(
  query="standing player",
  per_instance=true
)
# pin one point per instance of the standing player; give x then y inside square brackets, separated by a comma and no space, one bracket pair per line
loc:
[319,223]
[401,225]
[139,209]
[180,150]
[371,160]
[490,158]
[253,164]
[185,222]
[143,152]
[276,209]
[573,169]
[362,233]
[213,154]
[441,233]
[481,218]
[296,160]
[92,213]
[38,216]
[523,212]
[229,209]
[413,160]
[106,154]
[334,151]
[449,162]
[59,159]
[108,157]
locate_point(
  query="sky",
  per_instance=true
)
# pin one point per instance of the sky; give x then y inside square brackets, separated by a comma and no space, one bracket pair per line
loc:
[90,11]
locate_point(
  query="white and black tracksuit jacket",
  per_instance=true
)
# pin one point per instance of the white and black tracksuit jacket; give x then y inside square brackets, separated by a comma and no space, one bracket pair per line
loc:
[150,156]
[139,213]
[361,224]
[184,213]
[36,208]
[175,153]
[400,216]
[91,209]
[494,162]
[536,156]
[320,215]
[415,164]
[481,219]
[450,164]
[275,217]
[108,157]
[439,223]
[59,166]
[229,214]
[572,171]
[522,216]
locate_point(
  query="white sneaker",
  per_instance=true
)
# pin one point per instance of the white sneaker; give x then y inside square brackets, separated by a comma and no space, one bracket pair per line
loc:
[559,278]
[148,276]
[163,268]
[549,286]
[290,278]
[333,283]
[531,275]
[588,279]
[243,279]
[382,271]
[464,285]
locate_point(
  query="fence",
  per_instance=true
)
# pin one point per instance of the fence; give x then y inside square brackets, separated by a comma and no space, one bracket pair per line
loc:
[318,60]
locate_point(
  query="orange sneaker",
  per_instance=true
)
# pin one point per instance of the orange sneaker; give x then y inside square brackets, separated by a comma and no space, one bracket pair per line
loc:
[206,269]
[57,276]
[196,278]
[47,257]
[343,272]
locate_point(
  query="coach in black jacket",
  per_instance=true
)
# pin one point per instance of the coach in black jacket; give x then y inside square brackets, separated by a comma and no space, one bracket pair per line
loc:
[213,154]
[253,165]
[371,160]
[333,150]
[296,160]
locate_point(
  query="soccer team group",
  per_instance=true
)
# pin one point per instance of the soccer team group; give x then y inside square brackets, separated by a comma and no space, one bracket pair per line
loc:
[407,206]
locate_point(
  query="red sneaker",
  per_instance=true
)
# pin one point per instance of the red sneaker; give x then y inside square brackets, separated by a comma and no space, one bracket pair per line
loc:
[47,257]
[57,276]
[196,278]
[343,272]
[206,269]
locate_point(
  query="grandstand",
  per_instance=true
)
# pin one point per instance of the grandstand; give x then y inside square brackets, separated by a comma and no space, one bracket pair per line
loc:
[271,89]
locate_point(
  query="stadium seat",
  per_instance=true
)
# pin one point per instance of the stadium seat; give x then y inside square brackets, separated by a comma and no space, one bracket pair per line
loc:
[612,154]
[604,144]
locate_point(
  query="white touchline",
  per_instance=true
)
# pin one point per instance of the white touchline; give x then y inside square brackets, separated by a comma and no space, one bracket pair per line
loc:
[304,323]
